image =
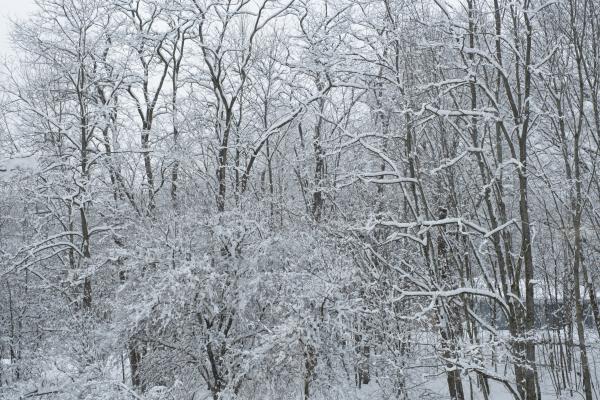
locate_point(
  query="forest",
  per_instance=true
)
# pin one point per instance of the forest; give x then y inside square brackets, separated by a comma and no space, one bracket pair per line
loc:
[301,199]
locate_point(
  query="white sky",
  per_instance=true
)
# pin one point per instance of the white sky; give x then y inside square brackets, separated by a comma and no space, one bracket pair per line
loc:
[16,9]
